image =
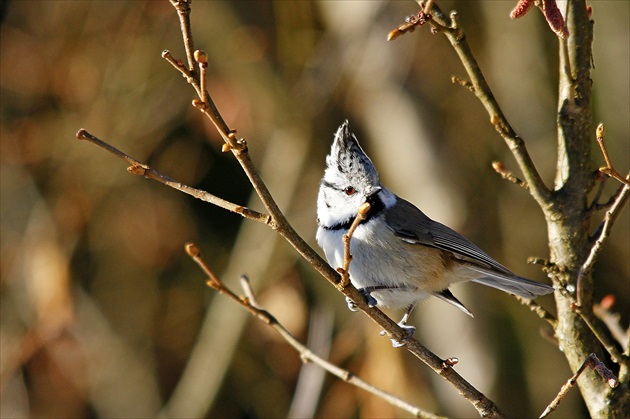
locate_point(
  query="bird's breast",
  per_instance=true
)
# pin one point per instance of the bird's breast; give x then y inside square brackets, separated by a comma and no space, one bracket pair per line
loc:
[381,259]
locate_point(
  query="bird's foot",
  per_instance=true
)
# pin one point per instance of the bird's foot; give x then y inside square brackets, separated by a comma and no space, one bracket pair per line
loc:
[410,331]
[351,305]
[367,293]
[371,301]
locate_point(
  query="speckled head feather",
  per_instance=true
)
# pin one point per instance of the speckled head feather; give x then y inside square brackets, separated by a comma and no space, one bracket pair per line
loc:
[348,159]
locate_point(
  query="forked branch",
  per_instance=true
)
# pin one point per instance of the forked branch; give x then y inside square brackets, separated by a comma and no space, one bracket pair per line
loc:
[138,168]
[609,169]
[484,406]
[306,355]
[594,364]
[430,13]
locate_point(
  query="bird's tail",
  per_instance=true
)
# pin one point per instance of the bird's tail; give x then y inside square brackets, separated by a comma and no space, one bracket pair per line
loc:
[516,285]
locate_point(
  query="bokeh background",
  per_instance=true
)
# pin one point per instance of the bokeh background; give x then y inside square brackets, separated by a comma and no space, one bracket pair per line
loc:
[103,314]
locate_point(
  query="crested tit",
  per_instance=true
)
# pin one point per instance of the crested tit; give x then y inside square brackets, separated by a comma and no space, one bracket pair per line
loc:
[399,255]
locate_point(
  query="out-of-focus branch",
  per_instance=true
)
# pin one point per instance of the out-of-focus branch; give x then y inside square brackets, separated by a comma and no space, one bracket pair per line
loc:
[612,320]
[591,362]
[306,355]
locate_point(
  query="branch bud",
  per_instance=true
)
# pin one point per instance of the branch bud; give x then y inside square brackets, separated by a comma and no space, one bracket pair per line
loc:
[192,250]
[601,130]
[498,167]
[201,57]
[136,169]
[364,209]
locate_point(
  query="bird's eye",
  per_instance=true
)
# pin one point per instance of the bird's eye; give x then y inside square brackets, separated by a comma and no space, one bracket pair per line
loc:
[349,190]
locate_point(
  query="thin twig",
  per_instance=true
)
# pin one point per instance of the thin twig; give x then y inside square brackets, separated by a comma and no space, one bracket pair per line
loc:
[598,330]
[306,355]
[179,66]
[507,175]
[202,59]
[464,83]
[591,362]
[609,169]
[141,169]
[277,221]
[347,257]
[183,12]
[609,219]
[456,36]
[611,320]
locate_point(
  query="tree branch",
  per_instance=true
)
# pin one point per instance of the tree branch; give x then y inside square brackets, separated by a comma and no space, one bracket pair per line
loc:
[478,85]
[591,362]
[141,169]
[347,257]
[280,224]
[609,219]
[609,169]
[306,355]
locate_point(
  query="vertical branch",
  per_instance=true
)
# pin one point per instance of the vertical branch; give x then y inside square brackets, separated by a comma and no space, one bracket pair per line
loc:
[574,107]
[569,218]
[183,12]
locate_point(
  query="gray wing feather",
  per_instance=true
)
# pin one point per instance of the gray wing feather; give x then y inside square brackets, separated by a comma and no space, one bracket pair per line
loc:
[413,226]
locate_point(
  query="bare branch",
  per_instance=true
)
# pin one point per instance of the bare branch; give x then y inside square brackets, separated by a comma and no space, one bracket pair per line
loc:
[183,12]
[456,36]
[591,362]
[141,169]
[611,320]
[279,223]
[347,257]
[507,175]
[609,220]
[179,66]
[306,355]
[594,324]
[609,169]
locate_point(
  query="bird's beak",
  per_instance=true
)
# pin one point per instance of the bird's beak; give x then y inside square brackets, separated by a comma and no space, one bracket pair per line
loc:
[372,190]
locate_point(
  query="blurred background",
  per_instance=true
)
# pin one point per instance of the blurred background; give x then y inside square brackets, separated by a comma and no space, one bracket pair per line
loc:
[103,314]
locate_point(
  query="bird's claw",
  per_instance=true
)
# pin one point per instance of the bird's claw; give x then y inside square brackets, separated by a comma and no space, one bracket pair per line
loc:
[351,305]
[410,331]
[371,301]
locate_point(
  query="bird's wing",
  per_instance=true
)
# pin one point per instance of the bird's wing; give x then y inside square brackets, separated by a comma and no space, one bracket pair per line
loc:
[413,226]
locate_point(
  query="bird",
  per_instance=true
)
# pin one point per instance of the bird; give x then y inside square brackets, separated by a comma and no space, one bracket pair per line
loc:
[400,256]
